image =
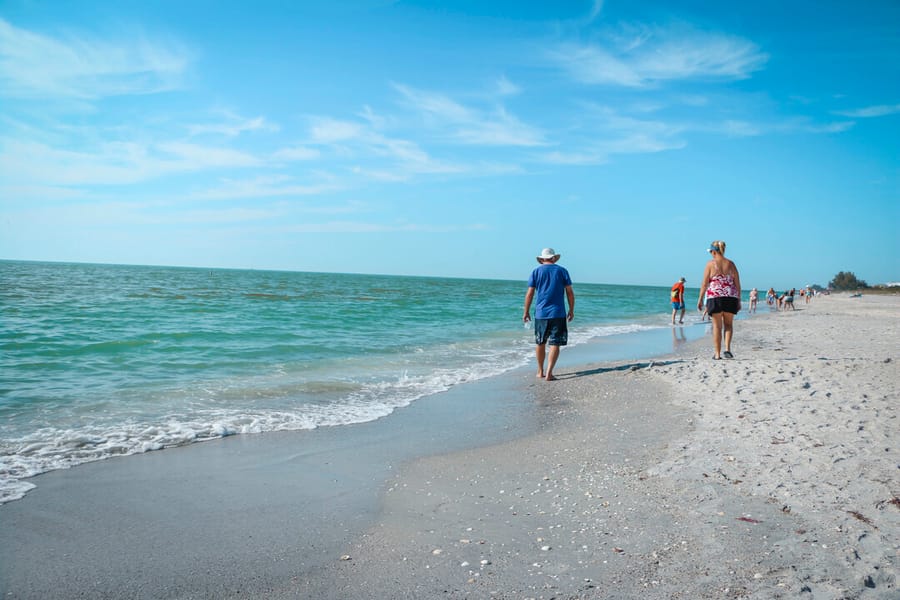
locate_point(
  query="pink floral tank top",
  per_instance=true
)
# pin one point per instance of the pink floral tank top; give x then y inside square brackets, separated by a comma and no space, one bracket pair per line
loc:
[721,286]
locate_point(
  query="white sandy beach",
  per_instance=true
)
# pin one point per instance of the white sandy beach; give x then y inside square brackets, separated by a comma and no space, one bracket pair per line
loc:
[772,475]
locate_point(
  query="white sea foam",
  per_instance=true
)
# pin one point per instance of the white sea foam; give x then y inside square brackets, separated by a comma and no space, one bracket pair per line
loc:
[232,407]
[50,448]
[232,413]
[584,336]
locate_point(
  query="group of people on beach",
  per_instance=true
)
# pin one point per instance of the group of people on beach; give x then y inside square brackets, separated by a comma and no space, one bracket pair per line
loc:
[550,288]
[786,300]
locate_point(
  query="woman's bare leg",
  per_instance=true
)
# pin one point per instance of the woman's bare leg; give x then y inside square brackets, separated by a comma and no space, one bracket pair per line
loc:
[717,333]
[728,325]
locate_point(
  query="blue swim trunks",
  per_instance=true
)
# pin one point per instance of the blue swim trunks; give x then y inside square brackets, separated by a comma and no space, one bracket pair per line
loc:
[678,305]
[551,331]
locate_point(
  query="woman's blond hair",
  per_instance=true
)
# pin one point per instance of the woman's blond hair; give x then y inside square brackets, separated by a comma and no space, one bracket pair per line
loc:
[719,245]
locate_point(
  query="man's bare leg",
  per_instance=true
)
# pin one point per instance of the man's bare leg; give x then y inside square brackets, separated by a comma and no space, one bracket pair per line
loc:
[539,352]
[552,357]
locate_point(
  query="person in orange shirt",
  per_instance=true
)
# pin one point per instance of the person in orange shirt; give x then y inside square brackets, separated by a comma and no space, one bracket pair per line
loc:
[678,300]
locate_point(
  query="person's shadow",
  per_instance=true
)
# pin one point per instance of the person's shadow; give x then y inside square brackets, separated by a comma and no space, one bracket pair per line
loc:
[628,367]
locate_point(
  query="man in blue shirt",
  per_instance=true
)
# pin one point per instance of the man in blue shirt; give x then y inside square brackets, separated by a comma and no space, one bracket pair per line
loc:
[551,285]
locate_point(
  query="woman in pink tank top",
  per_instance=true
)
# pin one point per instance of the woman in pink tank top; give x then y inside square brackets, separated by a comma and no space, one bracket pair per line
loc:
[721,291]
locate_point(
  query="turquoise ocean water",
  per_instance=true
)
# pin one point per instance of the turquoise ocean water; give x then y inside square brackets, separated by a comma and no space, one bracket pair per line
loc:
[104,360]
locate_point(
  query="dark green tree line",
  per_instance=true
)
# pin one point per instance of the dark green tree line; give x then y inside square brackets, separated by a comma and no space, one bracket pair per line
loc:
[847,281]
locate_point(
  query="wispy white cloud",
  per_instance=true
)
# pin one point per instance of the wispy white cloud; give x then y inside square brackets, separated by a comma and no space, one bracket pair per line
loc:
[112,163]
[595,65]
[197,156]
[596,9]
[881,110]
[639,143]
[585,20]
[376,155]
[326,130]
[505,87]
[399,172]
[370,227]
[268,186]
[612,120]
[36,192]
[383,174]
[575,158]
[231,125]
[606,132]
[82,215]
[436,105]
[114,214]
[403,150]
[836,127]
[375,120]
[492,127]
[500,129]
[693,100]
[735,128]
[638,57]
[296,153]
[237,214]
[26,161]
[33,65]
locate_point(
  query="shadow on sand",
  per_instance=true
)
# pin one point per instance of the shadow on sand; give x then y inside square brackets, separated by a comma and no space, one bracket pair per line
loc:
[628,367]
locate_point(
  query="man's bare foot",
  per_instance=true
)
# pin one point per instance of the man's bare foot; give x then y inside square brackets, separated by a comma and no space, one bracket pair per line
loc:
[540,376]
[551,378]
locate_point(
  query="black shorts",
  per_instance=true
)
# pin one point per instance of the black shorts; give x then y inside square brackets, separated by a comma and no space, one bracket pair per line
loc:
[724,304]
[551,331]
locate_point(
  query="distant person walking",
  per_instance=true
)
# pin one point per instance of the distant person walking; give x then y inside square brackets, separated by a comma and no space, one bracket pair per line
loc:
[678,300]
[721,287]
[788,299]
[754,300]
[550,285]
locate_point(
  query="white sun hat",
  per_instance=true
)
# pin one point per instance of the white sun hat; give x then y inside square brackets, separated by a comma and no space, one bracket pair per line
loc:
[548,254]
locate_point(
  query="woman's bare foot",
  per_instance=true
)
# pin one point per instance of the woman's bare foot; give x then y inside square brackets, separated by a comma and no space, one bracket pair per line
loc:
[540,375]
[551,377]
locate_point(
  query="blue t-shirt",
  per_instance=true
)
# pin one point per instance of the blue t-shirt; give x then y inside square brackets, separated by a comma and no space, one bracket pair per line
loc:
[549,282]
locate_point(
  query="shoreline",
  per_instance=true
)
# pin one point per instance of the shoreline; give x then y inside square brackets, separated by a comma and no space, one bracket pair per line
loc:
[632,344]
[235,500]
[620,469]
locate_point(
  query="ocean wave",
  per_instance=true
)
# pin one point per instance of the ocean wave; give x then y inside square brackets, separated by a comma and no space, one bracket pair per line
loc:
[103,355]
[579,336]
[239,407]
[49,448]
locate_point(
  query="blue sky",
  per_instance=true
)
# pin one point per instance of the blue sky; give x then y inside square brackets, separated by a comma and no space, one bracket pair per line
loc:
[455,138]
